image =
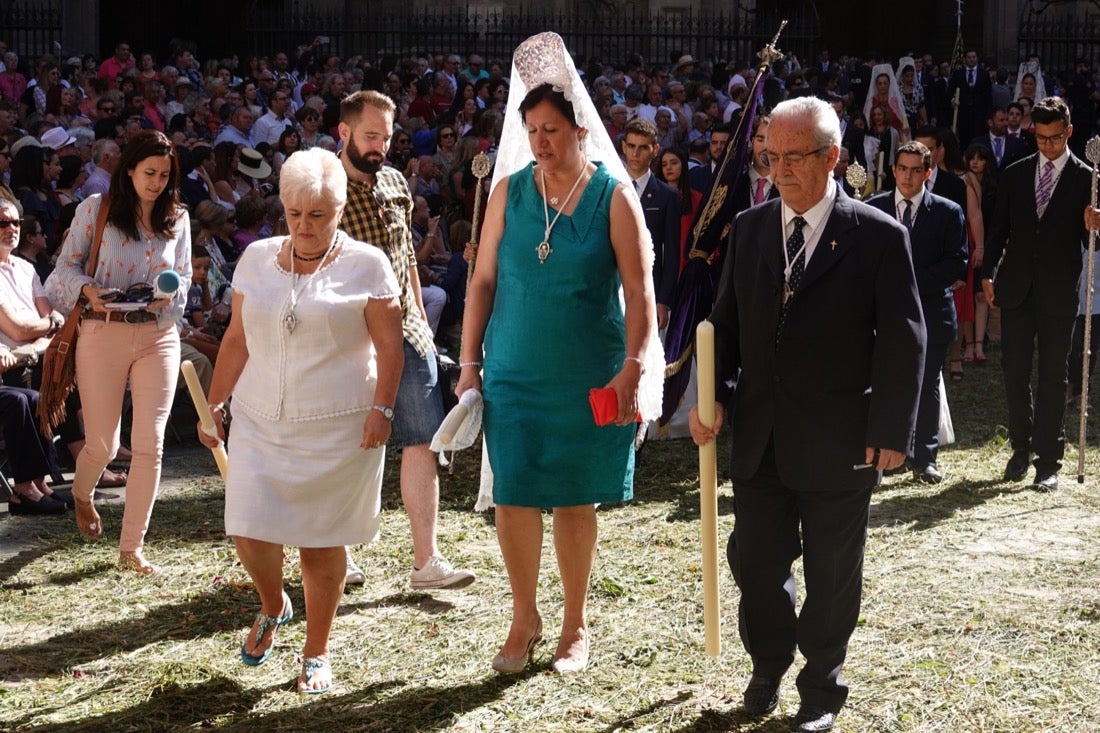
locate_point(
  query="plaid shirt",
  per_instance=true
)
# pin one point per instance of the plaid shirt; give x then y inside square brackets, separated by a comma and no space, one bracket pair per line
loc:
[381,214]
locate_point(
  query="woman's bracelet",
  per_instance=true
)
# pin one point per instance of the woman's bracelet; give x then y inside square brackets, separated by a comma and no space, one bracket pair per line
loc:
[641,364]
[464,364]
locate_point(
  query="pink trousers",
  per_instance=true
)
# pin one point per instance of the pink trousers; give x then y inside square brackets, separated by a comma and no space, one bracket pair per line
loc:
[108,355]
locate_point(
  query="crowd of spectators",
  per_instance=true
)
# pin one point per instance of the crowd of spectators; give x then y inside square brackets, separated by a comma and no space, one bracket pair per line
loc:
[65,121]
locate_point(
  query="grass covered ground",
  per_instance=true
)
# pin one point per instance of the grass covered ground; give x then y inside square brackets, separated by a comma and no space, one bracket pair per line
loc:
[981,613]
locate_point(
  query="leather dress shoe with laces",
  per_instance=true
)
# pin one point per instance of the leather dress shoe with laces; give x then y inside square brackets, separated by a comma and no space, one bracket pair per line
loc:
[930,474]
[761,696]
[812,719]
[1016,468]
[1045,482]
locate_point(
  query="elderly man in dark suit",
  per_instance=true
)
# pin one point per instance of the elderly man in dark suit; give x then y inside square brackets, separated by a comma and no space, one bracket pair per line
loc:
[1033,246]
[937,238]
[661,206]
[819,352]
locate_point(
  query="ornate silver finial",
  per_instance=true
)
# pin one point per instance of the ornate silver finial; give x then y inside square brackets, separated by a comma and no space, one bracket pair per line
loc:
[480,166]
[770,54]
[1092,149]
[857,178]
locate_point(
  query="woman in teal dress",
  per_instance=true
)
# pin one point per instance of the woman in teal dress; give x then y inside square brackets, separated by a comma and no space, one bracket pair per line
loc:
[560,238]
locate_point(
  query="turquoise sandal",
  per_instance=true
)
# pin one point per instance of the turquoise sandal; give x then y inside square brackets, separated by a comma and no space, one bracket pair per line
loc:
[311,665]
[265,623]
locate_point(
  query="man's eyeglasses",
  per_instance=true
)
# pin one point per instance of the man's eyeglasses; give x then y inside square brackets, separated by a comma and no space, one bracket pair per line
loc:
[772,159]
[5,223]
[447,135]
[1050,139]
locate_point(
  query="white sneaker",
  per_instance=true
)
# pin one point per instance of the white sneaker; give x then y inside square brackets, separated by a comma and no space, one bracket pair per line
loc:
[438,573]
[353,574]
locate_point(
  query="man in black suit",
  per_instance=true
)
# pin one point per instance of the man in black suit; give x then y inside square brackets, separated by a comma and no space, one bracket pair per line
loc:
[701,176]
[941,181]
[1015,112]
[819,345]
[754,186]
[1006,150]
[937,238]
[1033,246]
[661,206]
[975,91]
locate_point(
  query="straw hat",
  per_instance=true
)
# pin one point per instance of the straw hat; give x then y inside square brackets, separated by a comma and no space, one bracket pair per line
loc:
[252,163]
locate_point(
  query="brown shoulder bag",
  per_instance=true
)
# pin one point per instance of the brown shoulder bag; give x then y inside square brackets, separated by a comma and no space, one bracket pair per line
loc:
[59,361]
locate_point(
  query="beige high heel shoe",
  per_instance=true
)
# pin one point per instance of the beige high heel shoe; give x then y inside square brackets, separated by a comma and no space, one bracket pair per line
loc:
[515,665]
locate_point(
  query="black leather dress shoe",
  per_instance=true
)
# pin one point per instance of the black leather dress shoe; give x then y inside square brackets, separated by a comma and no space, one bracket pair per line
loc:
[1045,482]
[928,475]
[761,696]
[1017,466]
[812,719]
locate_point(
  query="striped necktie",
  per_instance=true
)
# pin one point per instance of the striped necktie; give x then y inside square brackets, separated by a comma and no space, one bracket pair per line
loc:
[1044,189]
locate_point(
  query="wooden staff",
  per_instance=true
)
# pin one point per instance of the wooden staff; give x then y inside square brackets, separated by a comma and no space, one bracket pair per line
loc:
[480,167]
[1092,152]
[205,416]
[880,174]
[708,489]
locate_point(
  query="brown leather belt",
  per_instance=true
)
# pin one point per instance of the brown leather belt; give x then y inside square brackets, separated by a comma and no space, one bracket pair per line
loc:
[132,317]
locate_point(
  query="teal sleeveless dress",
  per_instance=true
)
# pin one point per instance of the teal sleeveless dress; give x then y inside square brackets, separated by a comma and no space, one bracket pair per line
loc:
[555,332]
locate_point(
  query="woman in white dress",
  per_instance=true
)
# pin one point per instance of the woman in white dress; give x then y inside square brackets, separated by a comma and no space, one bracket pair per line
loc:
[312,360]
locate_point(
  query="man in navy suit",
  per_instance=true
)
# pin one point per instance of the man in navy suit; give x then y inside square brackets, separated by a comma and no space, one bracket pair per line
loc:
[701,176]
[1032,265]
[937,239]
[1005,148]
[819,346]
[661,206]
[975,90]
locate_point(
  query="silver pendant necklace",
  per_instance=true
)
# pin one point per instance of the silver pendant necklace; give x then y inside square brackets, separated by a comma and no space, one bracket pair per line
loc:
[544,250]
[290,320]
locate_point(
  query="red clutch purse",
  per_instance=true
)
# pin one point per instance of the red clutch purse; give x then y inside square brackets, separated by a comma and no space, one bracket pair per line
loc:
[605,405]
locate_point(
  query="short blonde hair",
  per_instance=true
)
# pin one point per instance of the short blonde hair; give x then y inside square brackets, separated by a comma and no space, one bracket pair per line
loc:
[313,175]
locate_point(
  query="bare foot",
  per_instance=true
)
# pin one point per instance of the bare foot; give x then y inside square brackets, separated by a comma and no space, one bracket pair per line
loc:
[136,561]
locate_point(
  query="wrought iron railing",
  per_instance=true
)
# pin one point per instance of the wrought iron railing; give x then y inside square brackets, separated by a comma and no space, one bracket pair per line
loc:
[612,37]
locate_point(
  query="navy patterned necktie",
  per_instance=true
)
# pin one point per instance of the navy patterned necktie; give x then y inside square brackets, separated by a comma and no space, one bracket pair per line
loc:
[907,215]
[796,255]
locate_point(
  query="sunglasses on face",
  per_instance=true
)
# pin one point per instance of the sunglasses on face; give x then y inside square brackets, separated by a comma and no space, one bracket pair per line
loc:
[5,223]
[447,135]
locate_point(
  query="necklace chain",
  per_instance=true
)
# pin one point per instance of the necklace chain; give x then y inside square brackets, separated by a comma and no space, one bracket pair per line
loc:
[544,249]
[290,320]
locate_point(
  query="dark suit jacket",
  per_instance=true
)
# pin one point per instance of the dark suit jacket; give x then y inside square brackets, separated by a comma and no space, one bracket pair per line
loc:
[1025,254]
[847,372]
[951,187]
[661,206]
[700,177]
[939,247]
[744,192]
[1014,148]
[853,141]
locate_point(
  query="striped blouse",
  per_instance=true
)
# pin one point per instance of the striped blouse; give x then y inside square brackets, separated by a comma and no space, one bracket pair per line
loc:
[123,261]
